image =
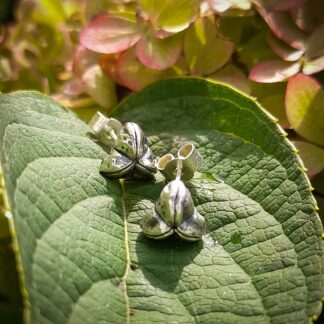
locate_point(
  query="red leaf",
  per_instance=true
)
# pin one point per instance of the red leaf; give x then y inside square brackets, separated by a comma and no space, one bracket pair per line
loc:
[158,54]
[284,28]
[73,88]
[315,44]
[110,34]
[82,59]
[279,5]
[309,16]
[135,75]
[273,71]
[282,49]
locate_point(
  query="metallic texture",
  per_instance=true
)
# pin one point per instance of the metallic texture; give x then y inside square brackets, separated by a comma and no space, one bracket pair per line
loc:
[174,213]
[130,156]
[105,129]
[174,210]
[190,158]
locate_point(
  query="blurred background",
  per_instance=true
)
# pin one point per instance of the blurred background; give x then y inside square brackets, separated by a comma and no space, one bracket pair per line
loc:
[89,55]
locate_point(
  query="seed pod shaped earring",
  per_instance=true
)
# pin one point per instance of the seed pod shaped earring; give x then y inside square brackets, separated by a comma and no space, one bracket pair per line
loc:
[174,210]
[130,155]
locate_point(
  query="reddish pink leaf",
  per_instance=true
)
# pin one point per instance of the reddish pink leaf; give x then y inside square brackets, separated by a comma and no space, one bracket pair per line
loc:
[314,66]
[82,59]
[110,34]
[108,63]
[309,16]
[284,28]
[273,71]
[315,44]
[135,75]
[279,5]
[158,54]
[73,87]
[282,49]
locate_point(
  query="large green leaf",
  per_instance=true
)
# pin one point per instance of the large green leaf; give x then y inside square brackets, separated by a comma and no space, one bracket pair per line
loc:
[84,257]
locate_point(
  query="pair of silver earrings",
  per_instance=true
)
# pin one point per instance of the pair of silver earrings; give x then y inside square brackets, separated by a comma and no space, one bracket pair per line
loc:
[131,158]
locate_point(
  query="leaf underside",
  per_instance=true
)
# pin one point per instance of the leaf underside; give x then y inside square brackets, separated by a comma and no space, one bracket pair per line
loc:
[84,257]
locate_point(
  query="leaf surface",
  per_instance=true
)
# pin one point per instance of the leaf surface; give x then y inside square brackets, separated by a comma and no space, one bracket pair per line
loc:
[84,257]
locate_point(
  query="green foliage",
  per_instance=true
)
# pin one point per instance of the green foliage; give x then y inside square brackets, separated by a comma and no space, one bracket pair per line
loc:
[10,295]
[83,253]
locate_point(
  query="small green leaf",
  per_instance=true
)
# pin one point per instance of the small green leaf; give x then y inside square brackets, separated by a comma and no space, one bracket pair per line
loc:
[84,256]
[54,10]
[276,106]
[205,51]
[169,15]
[304,107]
[313,66]
[256,50]
[100,87]
[5,69]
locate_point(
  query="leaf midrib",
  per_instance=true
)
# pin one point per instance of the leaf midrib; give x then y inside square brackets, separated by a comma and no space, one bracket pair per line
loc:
[128,260]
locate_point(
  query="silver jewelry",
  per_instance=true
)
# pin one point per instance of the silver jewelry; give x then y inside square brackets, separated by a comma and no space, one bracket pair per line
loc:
[130,155]
[174,210]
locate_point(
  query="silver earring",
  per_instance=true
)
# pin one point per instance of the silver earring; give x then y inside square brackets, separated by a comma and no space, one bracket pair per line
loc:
[174,210]
[130,155]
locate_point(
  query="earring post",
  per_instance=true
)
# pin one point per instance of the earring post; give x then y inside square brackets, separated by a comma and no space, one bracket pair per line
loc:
[179,169]
[112,133]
